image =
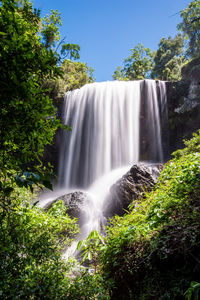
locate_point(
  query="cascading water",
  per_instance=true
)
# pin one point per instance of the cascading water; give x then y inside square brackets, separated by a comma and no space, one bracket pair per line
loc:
[153,117]
[114,124]
[105,121]
[105,131]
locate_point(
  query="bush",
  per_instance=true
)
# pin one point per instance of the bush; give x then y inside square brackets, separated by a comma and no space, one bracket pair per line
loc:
[153,252]
[192,146]
[89,286]
[30,248]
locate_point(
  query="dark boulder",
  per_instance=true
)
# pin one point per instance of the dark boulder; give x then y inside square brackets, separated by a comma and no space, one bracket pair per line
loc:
[139,179]
[75,204]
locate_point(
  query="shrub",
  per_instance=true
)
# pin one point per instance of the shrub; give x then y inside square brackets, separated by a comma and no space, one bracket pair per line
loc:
[153,251]
[30,242]
[192,146]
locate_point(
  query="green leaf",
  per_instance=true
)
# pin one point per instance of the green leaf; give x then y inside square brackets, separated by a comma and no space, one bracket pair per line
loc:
[80,243]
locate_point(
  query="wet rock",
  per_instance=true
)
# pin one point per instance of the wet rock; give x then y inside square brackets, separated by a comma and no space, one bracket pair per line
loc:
[74,202]
[139,179]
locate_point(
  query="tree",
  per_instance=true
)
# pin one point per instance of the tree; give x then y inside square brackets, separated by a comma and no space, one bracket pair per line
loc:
[51,37]
[28,117]
[74,76]
[137,66]
[119,74]
[190,26]
[169,59]
[50,29]
[28,120]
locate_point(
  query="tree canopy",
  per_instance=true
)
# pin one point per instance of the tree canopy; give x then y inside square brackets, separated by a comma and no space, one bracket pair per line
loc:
[74,75]
[169,59]
[137,66]
[28,118]
[190,26]
[163,64]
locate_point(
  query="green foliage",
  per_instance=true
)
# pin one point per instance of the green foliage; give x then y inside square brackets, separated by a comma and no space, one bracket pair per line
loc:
[30,242]
[190,26]
[90,247]
[153,252]
[193,292]
[28,121]
[90,287]
[164,64]
[31,265]
[52,39]
[169,59]
[119,74]
[192,146]
[137,66]
[71,51]
[28,117]
[50,29]
[74,76]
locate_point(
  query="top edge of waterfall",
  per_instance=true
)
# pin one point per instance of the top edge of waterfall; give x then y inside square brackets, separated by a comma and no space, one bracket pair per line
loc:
[114,82]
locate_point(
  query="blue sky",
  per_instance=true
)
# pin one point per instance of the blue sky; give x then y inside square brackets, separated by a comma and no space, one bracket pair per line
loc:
[106,30]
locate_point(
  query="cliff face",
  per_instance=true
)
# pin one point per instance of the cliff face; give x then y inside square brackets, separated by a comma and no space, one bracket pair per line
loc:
[184,105]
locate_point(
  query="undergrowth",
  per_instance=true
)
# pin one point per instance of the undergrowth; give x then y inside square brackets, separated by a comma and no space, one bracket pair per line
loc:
[31,244]
[153,252]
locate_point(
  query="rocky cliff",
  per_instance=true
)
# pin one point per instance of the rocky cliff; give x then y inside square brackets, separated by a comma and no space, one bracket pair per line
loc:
[184,105]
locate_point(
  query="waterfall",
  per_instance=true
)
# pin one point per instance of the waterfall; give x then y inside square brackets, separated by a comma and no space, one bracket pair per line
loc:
[114,124]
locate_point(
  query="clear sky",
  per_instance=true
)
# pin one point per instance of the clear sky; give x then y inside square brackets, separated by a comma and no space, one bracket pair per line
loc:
[106,30]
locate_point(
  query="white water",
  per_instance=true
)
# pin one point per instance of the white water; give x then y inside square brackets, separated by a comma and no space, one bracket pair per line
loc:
[153,118]
[105,131]
[105,136]
[156,103]
[93,208]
